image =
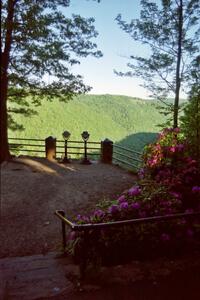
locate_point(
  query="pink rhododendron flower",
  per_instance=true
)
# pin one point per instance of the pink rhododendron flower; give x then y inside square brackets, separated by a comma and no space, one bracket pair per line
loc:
[99,213]
[172,149]
[134,191]
[177,130]
[121,199]
[113,209]
[196,189]
[124,205]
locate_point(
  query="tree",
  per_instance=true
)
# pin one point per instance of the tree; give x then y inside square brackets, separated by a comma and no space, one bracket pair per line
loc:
[171,31]
[38,41]
[190,121]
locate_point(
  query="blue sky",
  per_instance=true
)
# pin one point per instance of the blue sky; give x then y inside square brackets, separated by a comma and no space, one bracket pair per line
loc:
[115,44]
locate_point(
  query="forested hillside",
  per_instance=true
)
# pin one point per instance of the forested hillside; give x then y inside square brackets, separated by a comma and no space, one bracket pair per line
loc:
[120,118]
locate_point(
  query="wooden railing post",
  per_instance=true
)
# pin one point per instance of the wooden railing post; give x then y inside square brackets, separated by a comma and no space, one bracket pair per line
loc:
[106,151]
[50,148]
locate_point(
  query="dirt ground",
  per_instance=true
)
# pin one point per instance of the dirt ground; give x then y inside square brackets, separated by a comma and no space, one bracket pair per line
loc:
[31,191]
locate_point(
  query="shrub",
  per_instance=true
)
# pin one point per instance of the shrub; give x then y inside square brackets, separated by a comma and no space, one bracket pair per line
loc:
[168,162]
[169,184]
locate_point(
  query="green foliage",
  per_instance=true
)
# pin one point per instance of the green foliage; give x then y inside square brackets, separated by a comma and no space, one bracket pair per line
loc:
[170,31]
[129,120]
[39,47]
[190,122]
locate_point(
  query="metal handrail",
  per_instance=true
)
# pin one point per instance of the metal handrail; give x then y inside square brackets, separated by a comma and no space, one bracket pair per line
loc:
[127,149]
[85,228]
[127,156]
[89,226]
[125,162]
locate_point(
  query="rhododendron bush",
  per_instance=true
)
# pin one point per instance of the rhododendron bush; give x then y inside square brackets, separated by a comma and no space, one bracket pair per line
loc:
[169,183]
[168,163]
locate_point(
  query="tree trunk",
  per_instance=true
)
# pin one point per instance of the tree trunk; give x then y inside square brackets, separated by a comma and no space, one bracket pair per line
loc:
[178,65]
[198,126]
[4,147]
[5,58]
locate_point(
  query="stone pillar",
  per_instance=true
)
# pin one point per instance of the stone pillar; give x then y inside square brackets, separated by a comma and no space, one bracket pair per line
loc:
[106,151]
[50,147]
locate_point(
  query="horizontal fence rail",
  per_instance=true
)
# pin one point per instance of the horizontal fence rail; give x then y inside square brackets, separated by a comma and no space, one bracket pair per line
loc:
[127,156]
[91,151]
[105,150]
[127,149]
[35,146]
[32,146]
[82,227]
[26,139]
[86,228]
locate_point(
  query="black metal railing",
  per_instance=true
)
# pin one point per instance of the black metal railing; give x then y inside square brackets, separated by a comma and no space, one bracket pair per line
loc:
[86,228]
[127,156]
[82,227]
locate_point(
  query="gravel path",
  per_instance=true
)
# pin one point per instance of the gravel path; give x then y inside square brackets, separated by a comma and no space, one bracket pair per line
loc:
[31,191]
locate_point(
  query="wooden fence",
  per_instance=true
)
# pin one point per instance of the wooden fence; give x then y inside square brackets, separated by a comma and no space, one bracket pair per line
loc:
[52,148]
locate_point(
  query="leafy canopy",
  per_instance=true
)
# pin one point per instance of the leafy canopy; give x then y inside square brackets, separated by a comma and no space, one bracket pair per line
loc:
[171,32]
[45,44]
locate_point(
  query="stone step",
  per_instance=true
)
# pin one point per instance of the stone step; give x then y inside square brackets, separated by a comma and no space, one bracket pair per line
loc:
[34,277]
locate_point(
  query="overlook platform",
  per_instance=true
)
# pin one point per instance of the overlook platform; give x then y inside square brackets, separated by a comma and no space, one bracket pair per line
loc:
[31,265]
[33,188]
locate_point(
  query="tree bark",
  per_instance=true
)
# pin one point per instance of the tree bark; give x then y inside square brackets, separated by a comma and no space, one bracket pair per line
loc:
[4,147]
[5,58]
[178,65]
